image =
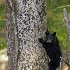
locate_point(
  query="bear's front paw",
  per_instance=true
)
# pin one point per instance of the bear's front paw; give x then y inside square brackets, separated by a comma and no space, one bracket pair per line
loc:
[40,40]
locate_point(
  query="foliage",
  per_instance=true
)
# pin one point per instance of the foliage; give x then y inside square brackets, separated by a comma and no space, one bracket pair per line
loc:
[2,11]
[2,26]
[56,21]
[2,43]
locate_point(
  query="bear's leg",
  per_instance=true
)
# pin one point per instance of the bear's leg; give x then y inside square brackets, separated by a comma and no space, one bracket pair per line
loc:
[51,66]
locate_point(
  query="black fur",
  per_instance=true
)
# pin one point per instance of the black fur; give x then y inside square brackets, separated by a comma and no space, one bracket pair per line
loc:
[51,45]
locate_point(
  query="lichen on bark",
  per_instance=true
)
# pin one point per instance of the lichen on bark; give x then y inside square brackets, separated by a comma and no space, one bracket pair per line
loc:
[31,25]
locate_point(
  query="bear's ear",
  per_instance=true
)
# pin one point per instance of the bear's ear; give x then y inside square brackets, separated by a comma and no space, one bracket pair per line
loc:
[47,32]
[54,33]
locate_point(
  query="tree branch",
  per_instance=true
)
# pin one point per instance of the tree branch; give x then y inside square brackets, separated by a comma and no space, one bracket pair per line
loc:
[60,7]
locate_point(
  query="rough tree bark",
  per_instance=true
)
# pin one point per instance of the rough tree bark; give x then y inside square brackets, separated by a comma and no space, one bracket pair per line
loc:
[66,17]
[29,25]
[10,14]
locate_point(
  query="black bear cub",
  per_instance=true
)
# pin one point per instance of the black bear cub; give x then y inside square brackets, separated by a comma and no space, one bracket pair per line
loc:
[51,45]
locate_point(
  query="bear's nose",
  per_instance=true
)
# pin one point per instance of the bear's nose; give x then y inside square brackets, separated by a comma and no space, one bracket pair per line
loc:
[49,41]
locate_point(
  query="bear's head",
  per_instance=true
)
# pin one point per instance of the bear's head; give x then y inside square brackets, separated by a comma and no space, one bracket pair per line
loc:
[50,37]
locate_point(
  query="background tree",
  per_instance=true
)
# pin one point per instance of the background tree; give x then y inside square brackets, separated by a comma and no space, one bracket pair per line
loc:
[25,24]
[66,17]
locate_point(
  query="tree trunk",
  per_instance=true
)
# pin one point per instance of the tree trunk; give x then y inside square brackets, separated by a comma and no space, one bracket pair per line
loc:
[66,17]
[12,57]
[27,53]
